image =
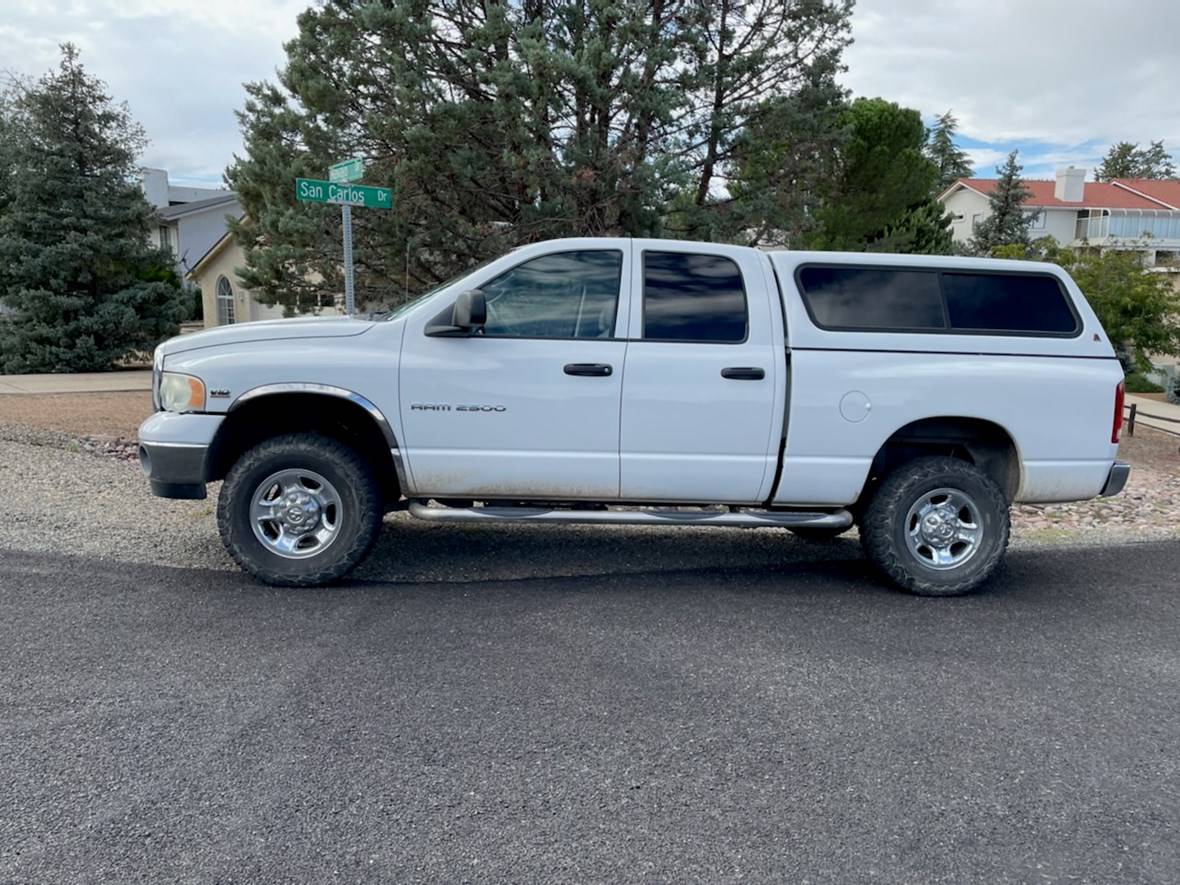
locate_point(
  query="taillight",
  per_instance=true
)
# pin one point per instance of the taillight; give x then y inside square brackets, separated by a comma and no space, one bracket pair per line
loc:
[1120,395]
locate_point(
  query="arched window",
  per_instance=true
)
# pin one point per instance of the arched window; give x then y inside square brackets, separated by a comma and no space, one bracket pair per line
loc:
[225,302]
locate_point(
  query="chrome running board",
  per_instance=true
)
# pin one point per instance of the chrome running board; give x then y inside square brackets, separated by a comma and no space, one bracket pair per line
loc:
[735,519]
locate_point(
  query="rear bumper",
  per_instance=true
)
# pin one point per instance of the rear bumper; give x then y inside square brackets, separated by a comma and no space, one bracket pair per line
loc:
[173,450]
[1116,480]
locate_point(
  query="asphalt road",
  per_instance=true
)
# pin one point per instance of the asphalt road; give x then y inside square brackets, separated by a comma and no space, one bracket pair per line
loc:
[797,723]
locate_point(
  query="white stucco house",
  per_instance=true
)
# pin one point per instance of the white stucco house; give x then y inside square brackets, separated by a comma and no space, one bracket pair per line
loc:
[1126,213]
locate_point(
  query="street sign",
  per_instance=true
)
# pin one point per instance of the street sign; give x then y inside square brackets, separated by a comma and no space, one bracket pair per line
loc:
[338,189]
[347,170]
[313,190]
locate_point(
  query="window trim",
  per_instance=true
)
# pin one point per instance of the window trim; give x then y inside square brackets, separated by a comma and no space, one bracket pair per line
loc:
[947,329]
[643,299]
[614,320]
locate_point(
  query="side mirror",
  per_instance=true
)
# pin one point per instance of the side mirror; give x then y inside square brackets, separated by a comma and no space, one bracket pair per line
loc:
[470,311]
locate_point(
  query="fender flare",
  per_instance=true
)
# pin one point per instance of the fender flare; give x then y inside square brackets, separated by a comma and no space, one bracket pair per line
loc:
[341,393]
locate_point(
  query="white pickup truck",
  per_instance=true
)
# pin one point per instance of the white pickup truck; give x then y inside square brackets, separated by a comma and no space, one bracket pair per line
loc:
[656,382]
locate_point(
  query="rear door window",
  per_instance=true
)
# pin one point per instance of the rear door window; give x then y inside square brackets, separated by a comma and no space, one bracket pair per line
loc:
[1008,303]
[689,297]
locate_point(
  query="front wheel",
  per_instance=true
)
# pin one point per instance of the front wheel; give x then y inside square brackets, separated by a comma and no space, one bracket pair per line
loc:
[936,527]
[299,510]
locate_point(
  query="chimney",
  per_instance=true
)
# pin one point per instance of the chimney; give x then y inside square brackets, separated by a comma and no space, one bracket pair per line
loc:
[155,186]
[1071,183]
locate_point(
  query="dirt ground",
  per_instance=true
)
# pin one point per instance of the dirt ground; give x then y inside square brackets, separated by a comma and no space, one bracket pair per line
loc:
[1149,507]
[91,414]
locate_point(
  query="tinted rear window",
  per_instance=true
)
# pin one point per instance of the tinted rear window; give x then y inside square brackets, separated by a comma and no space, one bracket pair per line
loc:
[1007,303]
[872,298]
[690,297]
[884,299]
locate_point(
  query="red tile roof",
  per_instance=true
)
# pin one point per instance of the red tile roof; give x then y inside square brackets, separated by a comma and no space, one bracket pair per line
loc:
[1164,191]
[1095,195]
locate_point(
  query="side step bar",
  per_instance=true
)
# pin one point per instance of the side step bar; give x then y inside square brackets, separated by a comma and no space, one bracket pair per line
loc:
[739,519]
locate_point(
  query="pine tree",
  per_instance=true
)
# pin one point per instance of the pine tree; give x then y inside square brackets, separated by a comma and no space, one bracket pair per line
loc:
[922,230]
[783,163]
[951,160]
[1127,160]
[880,174]
[76,269]
[505,123]
[1007,223]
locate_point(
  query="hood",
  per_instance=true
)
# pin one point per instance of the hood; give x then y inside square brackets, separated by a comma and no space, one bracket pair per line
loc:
[267,330]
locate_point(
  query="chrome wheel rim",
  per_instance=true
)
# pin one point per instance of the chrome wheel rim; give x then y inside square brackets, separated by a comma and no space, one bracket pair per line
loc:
[296,514]
[943,529]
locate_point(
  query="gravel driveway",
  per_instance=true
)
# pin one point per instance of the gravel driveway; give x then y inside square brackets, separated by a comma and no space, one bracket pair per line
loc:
[61,497]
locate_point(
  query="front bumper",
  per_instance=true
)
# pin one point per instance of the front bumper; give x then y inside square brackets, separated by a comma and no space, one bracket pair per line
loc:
[173,451]
[1116,480]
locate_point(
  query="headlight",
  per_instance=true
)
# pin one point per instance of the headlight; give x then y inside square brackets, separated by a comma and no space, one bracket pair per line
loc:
[181,393]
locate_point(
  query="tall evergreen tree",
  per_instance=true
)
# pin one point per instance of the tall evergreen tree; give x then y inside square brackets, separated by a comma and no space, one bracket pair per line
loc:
[951,160]
[1007,223]
[504,123]
[881,174]
[1127,160]
[782,165]
[76,269]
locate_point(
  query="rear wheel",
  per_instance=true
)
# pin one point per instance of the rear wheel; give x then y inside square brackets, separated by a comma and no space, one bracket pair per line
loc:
[299,510]
[936,527]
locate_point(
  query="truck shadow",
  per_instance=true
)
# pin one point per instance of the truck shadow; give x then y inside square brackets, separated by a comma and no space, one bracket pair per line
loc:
[414,552]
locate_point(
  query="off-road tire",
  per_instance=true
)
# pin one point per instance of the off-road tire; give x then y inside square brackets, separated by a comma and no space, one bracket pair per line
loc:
[344,468]
[818,536]
[883,528]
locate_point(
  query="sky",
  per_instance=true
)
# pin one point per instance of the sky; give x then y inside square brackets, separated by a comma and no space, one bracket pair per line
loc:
[1059,79]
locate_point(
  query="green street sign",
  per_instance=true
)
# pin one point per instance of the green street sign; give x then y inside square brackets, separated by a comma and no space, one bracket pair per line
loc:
[347,170]
[312,190]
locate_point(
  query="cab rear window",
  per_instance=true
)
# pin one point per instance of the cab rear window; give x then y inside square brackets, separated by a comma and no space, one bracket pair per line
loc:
[888,299]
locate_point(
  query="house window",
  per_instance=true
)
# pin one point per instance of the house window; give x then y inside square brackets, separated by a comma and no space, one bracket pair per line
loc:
[166,239]
[1037,219]
[976,219]
[225,302]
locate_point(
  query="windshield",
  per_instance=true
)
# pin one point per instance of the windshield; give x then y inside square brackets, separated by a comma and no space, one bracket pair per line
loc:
[413,302]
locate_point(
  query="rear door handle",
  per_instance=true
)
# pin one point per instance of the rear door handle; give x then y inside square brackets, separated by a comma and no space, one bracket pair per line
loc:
[596,370]
[744,373]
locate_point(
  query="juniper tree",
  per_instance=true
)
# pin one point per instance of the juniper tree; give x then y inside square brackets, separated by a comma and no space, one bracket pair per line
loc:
[1007,222]
[951,160]
[76,269]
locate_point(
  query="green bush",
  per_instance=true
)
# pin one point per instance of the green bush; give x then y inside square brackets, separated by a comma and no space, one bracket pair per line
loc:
[1138,383]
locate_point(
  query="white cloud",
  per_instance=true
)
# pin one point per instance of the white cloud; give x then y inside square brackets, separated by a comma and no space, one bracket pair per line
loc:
[1060,71]
[179,65]
[1060,79]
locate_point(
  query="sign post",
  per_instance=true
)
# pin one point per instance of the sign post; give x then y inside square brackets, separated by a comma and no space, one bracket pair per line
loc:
[339,173]
[340,189]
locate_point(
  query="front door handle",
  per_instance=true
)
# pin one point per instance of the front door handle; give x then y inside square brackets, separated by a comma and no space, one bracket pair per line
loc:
[744,373]
[595,370]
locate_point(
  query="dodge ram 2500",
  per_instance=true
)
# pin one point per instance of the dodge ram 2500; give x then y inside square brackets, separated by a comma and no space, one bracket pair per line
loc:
[661,383]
